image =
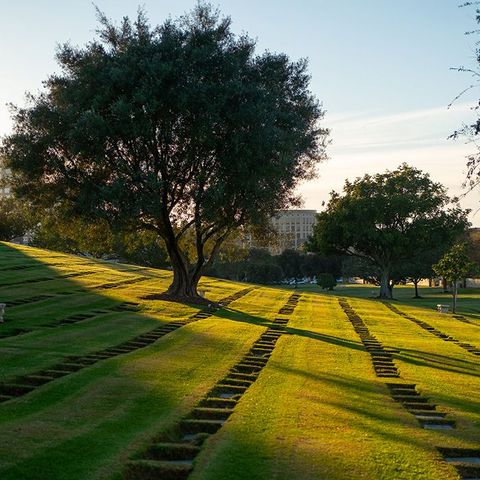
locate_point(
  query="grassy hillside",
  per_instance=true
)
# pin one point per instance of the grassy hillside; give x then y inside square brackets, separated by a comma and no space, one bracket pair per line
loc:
[98,383]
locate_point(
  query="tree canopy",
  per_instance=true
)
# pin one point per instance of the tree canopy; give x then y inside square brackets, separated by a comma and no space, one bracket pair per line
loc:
[454,266]
[181,129]
[387,219]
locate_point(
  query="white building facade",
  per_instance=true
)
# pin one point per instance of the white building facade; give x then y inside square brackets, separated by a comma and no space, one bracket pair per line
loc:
[294,227]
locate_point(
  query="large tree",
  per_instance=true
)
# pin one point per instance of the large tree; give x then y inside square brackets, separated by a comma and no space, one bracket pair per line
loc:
[180,129]
[387,219]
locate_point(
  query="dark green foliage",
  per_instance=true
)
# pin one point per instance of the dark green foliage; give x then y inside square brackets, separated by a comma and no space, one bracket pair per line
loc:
[454,266]
[326,281]
[142,248]
[265,273]
[472,240]
[420,266]
[256,265]
[353,266]
[179,129]
[291,263]
[73,235]
[15,218]
[387,219]
[313,263]
[97,239]
[260,267]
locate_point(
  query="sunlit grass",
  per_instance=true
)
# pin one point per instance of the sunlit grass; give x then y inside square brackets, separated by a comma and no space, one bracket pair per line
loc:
[317,410]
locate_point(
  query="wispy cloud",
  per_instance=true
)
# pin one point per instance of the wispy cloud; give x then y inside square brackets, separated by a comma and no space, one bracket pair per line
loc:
[402,130]
[376,142]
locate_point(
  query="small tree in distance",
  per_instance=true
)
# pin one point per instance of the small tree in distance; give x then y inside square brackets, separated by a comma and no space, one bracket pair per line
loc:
[419,267]
[179,129]
[454,266]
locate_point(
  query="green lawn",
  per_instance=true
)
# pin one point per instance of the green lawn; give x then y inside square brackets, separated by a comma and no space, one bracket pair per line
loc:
[468,302]
[315,411]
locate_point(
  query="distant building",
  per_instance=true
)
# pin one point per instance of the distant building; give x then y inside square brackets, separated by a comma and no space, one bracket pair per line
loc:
[293,228]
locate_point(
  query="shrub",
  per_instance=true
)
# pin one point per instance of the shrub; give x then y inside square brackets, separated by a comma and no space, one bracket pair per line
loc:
[326,281]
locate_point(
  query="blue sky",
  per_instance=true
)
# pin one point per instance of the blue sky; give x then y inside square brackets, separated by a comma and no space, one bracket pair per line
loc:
[380,67]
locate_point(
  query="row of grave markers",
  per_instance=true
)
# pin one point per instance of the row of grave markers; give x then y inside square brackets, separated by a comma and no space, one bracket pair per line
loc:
[466,461]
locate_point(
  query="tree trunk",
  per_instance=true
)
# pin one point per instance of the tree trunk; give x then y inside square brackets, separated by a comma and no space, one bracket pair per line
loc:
[185,275]
[454,309]
[385,290]
[184,284]
[185,281]
[415,282]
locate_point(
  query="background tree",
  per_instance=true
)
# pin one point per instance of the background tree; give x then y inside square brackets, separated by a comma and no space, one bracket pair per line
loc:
[73,235]
[15,218]
[229,263]
[353,266]
[179,129]
[97,239]
[313,263]
[386,219]
[142,247]
[472,240]
[419,267]
[454,266]
[260,267]
[290,261]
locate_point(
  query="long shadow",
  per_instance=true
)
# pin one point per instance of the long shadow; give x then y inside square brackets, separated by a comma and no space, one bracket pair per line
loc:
[370,395]
[361,386]
[417,358]
[63,353]
[42,299]
[102,415]
[42,296]
[239,316]
[412,356]
[404,296]
[245,451]
[432,360]
[342,342]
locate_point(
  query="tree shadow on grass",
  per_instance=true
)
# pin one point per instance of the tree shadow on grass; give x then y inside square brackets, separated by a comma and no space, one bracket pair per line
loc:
[373,401]
[366,422]
[97,416]
[469,301]
[96,419]
[445,363]
[413,356]
[50,316]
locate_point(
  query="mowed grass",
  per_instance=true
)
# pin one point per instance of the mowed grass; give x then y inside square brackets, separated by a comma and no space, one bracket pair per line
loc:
[316,411]
[468,300]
